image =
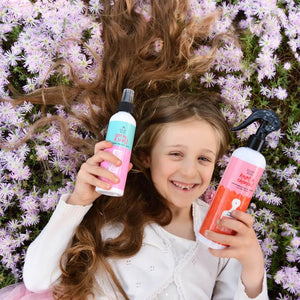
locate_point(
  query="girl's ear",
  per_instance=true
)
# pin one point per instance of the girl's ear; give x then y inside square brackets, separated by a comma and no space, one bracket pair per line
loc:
[145,158]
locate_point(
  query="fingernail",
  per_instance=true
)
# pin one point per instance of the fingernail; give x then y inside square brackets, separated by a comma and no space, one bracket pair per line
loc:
[206,232]
[107,186]
[218,221]
[116,179]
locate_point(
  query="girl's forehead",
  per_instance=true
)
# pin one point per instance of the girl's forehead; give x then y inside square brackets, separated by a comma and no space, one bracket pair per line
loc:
[185,123]
[191,132]
[189,128]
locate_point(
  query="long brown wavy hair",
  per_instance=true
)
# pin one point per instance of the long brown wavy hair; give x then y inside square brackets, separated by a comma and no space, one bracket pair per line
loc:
[141,203]
[131,60]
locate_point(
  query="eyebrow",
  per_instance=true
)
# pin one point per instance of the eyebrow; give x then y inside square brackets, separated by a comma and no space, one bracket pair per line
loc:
[182,146]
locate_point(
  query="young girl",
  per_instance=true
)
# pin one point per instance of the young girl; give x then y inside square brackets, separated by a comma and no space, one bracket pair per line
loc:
[144,245]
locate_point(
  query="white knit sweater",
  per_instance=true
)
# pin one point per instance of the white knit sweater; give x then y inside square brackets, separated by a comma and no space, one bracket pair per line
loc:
[166,267]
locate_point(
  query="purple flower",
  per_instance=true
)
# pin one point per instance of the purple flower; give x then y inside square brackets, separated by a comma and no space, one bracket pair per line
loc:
[294,182]
[6,191]
[208,79]
[292,254]
[209,195]
[287,66]
[42,152]
[268,246]
[49,200]
[28,203]
[288,230]
[295,242]
[279,276]
[266,214]
[30,218]
[12,58]
[273,138]
[289,278]
[95,6]
[281,297]
[296,128]
[280,93]
[271,198]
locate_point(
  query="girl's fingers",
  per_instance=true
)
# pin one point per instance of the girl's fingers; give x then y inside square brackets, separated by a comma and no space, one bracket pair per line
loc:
[233,224]
[102,145]
[94,181]
[220,238]
[240,223]
[97,171]
[91,174]
[237,247]
[240,244]
[245,218]
[101,155]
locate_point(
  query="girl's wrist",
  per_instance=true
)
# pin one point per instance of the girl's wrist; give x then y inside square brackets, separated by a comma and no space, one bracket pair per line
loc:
[252,279]
[75,200]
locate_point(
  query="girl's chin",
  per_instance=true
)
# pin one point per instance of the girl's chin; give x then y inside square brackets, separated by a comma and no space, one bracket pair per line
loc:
[177,205]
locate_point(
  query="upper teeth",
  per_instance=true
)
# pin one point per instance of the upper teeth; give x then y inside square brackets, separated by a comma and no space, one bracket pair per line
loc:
[187,187]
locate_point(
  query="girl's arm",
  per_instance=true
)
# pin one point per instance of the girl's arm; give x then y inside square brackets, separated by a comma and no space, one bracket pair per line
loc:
[41,268]
[243,246]
[42,259]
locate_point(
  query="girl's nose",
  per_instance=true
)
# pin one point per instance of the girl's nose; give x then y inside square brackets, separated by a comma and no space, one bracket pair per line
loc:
[189,168]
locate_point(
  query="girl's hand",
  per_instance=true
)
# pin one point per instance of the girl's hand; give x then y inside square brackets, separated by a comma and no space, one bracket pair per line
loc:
[87,177]
[243,246]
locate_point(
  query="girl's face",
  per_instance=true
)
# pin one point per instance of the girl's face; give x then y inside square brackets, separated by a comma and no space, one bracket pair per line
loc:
[182,161]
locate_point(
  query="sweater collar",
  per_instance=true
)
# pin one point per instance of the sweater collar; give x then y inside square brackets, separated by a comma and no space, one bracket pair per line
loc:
[153,233]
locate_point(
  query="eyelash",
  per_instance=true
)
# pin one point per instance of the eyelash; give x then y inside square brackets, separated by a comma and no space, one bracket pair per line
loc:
[176,154]
[205,159]
[201,158]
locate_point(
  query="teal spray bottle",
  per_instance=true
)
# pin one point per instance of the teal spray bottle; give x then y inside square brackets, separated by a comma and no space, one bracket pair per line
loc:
[120,132]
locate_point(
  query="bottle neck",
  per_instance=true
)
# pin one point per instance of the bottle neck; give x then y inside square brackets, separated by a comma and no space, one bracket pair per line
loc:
[125,106]
[256,143]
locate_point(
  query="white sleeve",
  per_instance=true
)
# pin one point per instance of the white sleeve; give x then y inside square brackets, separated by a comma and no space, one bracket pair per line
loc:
[43,255]
[229,283]
[241,294]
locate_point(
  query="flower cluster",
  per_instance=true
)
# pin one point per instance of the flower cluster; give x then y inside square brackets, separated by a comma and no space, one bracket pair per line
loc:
[260,72]
[27,187]
[260,76]
[40,31]
[278,238]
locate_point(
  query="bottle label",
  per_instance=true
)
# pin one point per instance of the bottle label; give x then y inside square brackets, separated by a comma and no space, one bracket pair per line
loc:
[234,193]
[121,134]
[241,176]
[124,155]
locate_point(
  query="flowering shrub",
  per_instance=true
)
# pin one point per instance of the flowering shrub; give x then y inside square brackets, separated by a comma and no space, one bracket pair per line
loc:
[261,73]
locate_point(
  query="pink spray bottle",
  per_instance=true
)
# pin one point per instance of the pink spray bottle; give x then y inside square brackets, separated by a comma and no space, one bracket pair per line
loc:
[241,176]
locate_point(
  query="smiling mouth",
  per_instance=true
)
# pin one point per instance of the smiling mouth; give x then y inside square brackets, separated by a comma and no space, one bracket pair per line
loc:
[183,186]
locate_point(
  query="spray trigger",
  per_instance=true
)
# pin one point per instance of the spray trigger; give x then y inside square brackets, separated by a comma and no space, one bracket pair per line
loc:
[270,123]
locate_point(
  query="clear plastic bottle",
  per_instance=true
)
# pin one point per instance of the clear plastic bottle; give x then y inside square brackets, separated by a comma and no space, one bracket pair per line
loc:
[120,132]
[240,178]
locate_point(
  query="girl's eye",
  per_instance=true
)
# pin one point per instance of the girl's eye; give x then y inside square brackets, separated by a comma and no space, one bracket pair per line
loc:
[204,158]
[176,154]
